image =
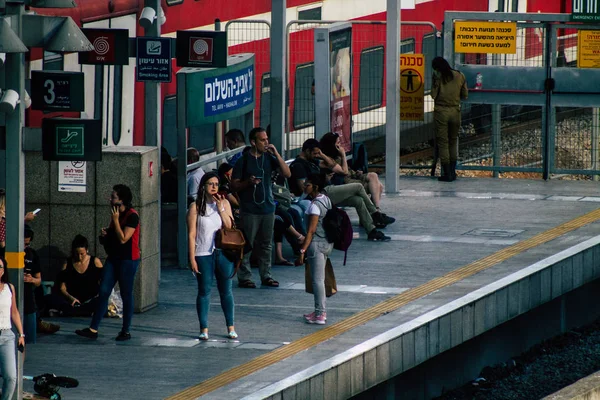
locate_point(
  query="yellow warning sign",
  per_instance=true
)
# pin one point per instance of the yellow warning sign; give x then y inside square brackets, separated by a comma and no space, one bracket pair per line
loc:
[485,37]
[412,87]
[588,49]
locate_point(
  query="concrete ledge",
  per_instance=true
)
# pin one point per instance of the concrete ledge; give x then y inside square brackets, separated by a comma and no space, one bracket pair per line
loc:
[587,388]
[404,347]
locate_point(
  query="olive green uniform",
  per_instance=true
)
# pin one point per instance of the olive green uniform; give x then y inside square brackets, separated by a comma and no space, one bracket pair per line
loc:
[446,114]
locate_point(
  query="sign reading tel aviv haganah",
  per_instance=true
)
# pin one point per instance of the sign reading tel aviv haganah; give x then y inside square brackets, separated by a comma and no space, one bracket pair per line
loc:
[485,37]
[229,92]
[218,94]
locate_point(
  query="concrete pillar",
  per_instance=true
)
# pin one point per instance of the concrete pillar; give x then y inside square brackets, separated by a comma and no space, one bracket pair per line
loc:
[392,119]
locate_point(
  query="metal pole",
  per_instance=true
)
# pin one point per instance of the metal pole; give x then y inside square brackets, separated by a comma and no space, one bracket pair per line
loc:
[152,89]
[595,138]
[152,114]
[496,137]
[278,23]
[182,250]
[15,175]
[392,118]
[322,96]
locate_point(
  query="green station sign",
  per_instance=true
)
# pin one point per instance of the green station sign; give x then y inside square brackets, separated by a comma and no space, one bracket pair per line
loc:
[586,11]
[71,139]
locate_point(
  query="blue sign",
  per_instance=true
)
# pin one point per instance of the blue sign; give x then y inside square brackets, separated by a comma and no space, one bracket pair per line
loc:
[153,59]
[228,92]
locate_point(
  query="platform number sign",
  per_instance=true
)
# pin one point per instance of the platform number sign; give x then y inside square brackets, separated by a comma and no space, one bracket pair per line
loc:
[57,91]
[586,11]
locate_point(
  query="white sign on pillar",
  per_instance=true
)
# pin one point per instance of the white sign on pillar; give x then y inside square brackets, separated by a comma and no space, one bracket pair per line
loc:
[72,176]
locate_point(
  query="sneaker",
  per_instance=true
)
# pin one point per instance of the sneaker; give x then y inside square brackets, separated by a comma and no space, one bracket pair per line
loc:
[312,315]
[378,236]
[123,336]
[387,220]
[378,220]
[318,319]
[87,332]
[47,327]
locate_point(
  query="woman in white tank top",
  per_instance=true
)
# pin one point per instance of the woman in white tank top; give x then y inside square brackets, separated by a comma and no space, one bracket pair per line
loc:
[8,311]
[209,213]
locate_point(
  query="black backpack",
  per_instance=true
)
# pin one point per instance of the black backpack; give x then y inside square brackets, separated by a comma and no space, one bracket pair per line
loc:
[338,229]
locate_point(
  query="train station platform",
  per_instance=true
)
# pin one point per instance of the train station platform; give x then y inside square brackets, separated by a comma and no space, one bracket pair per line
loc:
[464,258]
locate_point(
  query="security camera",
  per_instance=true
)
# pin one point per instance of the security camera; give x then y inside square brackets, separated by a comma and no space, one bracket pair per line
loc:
[27,100]
[162,18]
[9,101]
[147,17]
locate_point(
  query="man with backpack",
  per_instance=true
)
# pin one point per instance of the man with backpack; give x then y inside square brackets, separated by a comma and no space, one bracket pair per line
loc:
[252,179]
[311,161]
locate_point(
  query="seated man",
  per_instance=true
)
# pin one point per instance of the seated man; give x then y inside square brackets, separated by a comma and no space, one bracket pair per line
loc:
[310,161]
[234,138]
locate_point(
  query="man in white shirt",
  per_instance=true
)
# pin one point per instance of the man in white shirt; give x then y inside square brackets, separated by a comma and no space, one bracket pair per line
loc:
[195,175]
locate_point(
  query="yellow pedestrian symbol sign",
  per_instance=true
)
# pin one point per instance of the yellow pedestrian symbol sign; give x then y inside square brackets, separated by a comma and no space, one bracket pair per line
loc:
[412,87]
[411,81]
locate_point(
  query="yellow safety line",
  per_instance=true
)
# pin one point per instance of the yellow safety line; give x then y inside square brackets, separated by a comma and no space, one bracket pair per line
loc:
[15,260]
[384,307]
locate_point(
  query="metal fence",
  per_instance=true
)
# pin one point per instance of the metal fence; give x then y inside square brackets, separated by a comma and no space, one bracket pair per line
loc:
[367,76]
[254,36]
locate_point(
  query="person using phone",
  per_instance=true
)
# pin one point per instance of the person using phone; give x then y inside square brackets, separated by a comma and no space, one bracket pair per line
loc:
[8,312]
[121,242]
[209,213]
[252,180]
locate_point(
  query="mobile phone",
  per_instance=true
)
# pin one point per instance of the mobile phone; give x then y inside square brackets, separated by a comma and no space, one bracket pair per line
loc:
[21,348]
[36,211]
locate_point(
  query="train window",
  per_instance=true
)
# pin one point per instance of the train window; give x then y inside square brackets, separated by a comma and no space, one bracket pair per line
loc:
[173,2]
[407,46]
[370,93]
[265,99]
[117,104]
[432,47]
[304,102]
[169,125]
[53,61]
[313,13]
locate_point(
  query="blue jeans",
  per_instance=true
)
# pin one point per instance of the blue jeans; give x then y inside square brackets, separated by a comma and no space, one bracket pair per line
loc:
[122,271]
[8,364]
[209,266]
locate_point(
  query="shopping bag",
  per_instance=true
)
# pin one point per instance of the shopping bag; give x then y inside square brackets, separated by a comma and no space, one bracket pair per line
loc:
[330,282]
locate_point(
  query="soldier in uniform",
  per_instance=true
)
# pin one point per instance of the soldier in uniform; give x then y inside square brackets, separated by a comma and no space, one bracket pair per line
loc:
[449,87]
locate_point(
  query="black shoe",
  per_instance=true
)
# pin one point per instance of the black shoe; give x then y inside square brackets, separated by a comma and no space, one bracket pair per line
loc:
[446,174]
[87,332]
[453,170]
[378,220]
[388,220]
[123,336]
[378,236]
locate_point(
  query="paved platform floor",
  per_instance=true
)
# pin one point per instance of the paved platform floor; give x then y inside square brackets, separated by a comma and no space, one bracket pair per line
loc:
[440,227]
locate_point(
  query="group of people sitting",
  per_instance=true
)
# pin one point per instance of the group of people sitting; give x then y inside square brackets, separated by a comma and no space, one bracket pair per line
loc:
[249,190]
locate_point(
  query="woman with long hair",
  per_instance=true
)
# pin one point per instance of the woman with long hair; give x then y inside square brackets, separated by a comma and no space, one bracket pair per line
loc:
[316,248]
[331,147]
[8,311]
[448,89]
[79,280]
[121,241]
[209,213]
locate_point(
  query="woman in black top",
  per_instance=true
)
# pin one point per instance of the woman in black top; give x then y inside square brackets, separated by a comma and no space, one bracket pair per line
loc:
[79,280]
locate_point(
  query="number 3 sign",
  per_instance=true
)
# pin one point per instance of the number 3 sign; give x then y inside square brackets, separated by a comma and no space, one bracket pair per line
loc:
[57,91]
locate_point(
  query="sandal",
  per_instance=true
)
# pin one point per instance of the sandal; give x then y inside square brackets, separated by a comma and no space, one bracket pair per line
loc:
[284,262]
[232,335]
[203,336]
[270,282]
[247,284]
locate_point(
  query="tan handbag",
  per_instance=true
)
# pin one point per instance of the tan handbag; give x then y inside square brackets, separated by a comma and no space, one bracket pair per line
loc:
[231,241]
[330,282]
